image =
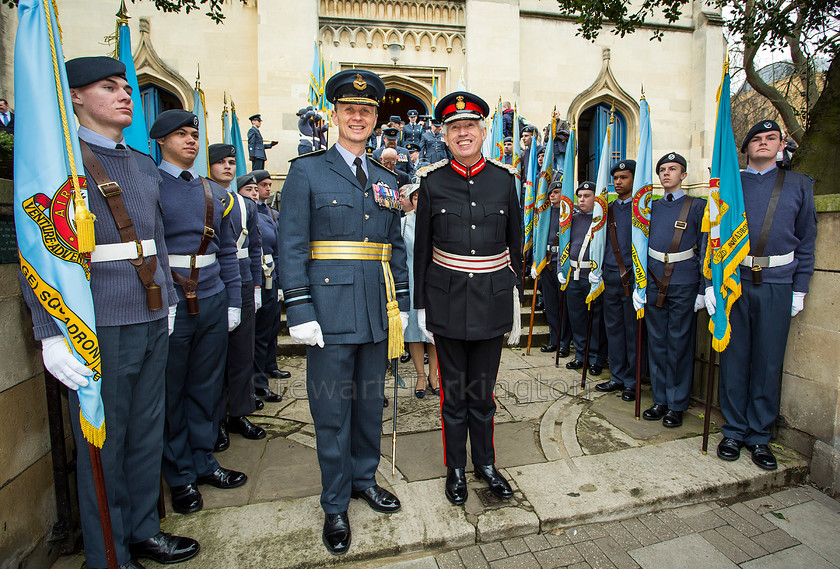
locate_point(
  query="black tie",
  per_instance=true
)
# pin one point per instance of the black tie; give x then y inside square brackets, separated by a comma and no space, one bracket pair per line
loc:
[360,173]
[669,197]
[119,146]
[186,175]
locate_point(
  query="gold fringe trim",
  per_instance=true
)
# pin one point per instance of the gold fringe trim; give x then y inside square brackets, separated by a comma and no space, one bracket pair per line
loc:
[94,436]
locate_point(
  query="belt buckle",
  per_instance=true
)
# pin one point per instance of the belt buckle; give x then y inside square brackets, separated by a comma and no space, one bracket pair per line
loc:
[110,189]
[665,258]
[139,246]
[209,232]
[680,224]
[192,262]
[756,268]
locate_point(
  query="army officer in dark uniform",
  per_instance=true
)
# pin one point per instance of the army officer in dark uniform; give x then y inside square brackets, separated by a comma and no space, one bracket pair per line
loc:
[343,272]
[467,262]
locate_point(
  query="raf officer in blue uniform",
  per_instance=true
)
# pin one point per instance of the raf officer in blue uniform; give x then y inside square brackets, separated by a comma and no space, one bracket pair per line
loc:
[676,247]
[202,256]
[343,272]
[412,132]
[432,147]
[774,281]
[468,259]
[256,145]
[390,136]
[619,281]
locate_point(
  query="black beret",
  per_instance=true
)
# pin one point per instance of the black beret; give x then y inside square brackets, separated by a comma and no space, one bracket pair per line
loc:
[758,128]
[461,105]
[540,149]
[83,71]
[629,165]
[255,117]
[413,113]
[672,157]
[585,186]
[244,180]
[391,133]
[507,139]
[217,152]
[171,120]
[530,128]
[260,175]
[411,147]
[358,86]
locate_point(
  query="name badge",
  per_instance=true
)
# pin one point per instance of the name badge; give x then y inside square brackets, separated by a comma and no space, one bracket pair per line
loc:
[385,196]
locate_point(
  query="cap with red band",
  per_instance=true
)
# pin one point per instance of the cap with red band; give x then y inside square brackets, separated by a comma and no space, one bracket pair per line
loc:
[461,105]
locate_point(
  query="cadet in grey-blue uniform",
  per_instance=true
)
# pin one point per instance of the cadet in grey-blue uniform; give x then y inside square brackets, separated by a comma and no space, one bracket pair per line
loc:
[237,399]
[131,330]
[412,132]
[432,147]
[202,256]
[389,139]
[256,145]
[774,282]
[619,280]
[674,293]
[340,237]
[577,287]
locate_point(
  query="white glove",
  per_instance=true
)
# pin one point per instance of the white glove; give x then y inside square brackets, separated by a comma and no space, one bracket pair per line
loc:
[711,303]
[699,302]
[594,279]
[421,322]
[279,295]
[561,278]
[308,333]
[234,318]
[533,272]
[404,320]
[638,301]
[798,303]
[60,362]
[171,318]
[257,299]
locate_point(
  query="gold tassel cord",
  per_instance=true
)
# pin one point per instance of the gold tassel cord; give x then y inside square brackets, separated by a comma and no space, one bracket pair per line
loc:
[83,217]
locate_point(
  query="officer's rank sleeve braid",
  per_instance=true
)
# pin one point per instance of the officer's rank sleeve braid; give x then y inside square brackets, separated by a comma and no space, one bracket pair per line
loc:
[507,167]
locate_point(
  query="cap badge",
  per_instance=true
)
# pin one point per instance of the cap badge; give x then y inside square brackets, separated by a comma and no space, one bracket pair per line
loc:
[359,83]
[768,124]
[621,166]
[195,122]
[459,103]
[233,151]
[671,156]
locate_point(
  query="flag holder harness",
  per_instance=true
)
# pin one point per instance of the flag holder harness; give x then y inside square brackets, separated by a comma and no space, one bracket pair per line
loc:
[672,257]
[199,259]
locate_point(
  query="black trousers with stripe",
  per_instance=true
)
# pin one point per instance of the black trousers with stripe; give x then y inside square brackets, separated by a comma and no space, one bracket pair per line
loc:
[468,372]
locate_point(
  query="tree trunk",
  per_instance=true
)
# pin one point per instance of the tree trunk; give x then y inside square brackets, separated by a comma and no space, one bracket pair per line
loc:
[819,154]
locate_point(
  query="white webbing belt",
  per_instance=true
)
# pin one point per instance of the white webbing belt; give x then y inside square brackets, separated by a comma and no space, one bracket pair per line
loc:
[123,251]
[768,262]
[670,257]
[185,261]
[243,233]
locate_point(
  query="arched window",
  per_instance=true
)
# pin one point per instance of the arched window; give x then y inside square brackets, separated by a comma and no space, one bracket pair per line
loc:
[155,101]
[592,126]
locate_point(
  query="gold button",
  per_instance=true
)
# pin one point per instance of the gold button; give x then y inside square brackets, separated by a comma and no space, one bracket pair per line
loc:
[335,202]
[367,216]
[365,239]
[470,275]
[366,194]
[327,279]
[471,182]
[472,251]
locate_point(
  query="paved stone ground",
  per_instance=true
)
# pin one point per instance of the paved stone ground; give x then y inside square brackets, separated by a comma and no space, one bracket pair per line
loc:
[793,528]
[593,488]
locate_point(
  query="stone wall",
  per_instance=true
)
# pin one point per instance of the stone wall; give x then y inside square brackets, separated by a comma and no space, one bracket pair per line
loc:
[27,497]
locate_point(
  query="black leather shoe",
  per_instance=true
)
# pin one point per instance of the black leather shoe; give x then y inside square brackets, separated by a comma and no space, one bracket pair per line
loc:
[259,404]
[574,364]
[540,305]
[498,485]
[378,498]
[245,428]
[186,499]
[672,419]
[280,374]
[404,359]
[224,478]
[595,370]
[456,486]
[729,449]
[549,348]
[608,386]
[165,548]
[763,457]
[629,394]
[565,351]
[267,395]
[336,533]
[222,439]
[655,412]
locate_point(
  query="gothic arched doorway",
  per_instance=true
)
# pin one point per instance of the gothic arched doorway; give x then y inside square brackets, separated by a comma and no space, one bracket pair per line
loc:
[155,101]
[592,125]
[399,102]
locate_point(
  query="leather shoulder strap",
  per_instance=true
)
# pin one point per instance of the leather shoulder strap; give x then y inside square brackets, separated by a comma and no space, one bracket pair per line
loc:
[758,251]
[622,268]
[679,228]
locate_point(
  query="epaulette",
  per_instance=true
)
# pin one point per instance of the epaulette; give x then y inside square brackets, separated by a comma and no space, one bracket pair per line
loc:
[431,168]
[313,153]
[500,164]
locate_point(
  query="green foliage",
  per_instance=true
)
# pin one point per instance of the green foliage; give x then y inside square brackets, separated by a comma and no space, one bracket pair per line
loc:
[214,7]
